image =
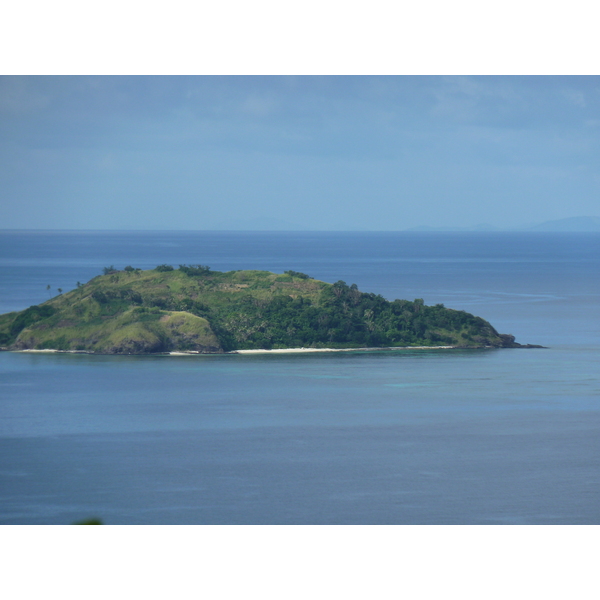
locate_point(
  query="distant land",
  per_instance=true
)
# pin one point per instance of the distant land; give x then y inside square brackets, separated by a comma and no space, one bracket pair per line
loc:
[193,309]
[262,223]
[265,223]
[481,227]
[570,224]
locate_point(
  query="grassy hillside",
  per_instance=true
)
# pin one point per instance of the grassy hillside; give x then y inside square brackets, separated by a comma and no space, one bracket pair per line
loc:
[195,309]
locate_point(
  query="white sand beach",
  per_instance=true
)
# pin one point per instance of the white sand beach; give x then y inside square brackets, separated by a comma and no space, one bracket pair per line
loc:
[46,350]
[33,350]
[302,350]
[261,351]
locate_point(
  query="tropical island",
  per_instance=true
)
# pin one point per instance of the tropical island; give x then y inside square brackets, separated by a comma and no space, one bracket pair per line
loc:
[193,309]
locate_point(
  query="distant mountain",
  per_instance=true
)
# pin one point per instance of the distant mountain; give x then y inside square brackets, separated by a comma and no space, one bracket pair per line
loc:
[261,223]
[570,224]
[480,227]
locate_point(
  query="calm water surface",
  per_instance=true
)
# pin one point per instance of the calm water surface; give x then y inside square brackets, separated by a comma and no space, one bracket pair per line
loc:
[408,437]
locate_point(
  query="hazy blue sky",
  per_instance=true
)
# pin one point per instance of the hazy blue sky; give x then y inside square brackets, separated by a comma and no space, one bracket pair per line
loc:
[376,153]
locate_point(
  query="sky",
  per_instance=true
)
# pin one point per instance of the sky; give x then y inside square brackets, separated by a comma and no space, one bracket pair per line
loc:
[297,152]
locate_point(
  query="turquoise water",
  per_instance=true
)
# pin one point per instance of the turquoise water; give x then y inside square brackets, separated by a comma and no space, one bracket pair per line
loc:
[491,436]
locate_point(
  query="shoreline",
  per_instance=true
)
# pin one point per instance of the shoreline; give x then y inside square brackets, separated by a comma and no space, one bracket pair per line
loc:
[304,350]
[266,351]
[250,352]
[52,350]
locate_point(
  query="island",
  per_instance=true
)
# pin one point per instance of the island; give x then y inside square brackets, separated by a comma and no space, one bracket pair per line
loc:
[193,309]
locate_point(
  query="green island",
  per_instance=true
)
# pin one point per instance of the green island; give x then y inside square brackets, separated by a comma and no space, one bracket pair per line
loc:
[197,310]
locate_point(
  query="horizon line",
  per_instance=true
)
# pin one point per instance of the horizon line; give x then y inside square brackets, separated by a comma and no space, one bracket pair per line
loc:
[411,230]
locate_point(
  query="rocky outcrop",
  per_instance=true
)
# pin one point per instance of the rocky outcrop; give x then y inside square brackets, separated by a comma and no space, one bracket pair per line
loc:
[508,341]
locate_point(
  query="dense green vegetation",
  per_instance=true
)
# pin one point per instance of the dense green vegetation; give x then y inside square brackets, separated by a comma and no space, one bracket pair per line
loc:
[195,309]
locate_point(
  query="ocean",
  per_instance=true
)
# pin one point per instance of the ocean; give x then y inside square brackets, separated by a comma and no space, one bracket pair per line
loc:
[503,436]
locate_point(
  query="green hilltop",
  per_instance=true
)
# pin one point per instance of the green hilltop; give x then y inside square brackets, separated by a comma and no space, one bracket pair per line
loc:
[195,309]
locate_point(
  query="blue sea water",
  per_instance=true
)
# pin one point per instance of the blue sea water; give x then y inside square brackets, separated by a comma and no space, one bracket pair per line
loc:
[403,437]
